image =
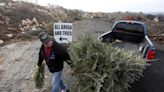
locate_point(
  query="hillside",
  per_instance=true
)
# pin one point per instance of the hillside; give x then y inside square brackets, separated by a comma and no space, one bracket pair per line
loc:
[19,18]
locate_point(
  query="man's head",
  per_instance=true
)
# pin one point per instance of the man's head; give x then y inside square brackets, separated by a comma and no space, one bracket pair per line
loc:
[45,39]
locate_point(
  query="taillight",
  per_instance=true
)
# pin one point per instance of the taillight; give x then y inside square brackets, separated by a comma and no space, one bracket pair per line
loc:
[150,55]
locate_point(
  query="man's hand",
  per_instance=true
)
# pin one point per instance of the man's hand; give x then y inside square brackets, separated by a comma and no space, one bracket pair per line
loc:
[37,66]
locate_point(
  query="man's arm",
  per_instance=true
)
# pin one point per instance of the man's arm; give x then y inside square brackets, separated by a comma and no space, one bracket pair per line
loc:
[40,60]
[65,55]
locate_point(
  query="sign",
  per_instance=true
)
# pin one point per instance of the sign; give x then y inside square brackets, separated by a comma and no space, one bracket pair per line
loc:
[63,32]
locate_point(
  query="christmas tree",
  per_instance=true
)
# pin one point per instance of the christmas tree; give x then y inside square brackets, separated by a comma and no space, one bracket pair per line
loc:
[99,67]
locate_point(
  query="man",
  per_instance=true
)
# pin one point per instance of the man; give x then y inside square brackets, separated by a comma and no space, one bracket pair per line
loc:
[54,54]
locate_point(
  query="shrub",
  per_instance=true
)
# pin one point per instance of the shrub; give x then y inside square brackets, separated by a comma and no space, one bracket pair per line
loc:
[49,28]
[99,67]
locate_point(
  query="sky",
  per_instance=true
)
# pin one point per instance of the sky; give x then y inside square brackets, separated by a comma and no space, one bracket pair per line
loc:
[107,5]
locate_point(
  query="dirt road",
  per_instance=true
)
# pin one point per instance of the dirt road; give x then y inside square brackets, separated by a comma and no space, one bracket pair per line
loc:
[17,66]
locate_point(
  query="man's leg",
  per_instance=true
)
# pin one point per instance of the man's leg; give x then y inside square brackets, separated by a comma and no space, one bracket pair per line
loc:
[63,86]
[56,79]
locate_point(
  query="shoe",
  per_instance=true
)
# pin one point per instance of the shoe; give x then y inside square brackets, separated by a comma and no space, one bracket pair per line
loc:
[65,91]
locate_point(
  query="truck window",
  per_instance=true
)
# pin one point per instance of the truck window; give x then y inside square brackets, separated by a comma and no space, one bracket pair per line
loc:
[129,27]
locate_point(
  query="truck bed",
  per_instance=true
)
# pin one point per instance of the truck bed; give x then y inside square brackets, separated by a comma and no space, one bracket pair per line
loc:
[128,41]
[136,47]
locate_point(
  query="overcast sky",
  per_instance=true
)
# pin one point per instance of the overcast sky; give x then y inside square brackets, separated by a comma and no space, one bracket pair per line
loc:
[108,5]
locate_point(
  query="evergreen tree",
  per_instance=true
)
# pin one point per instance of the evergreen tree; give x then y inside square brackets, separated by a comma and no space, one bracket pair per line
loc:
[99,67]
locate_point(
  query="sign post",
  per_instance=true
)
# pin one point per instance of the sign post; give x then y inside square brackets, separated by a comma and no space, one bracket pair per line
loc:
[63,32]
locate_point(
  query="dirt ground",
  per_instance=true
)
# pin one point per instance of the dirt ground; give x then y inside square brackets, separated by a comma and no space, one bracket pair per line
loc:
[17,67]
[18,64]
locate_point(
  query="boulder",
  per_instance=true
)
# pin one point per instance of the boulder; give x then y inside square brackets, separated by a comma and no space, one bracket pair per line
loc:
[2,4]
[1,22]
[12,29]
[9,35]
[1,41]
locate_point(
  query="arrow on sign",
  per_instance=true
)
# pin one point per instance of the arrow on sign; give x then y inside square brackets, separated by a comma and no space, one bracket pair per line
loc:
[61,38]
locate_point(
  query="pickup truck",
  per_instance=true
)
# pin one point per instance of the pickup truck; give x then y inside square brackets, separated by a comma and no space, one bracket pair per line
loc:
[131,35]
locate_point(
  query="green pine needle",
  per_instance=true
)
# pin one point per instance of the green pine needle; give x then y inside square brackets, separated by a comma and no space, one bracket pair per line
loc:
[99,67]
[39,77]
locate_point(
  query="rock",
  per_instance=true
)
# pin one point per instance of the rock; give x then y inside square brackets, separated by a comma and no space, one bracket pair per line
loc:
[12,29]
[1,41]
[34,20]
[27,78]
[23,22]
[1,60]
[156,19]
[22,29]
[162,34]
[1,22]
[23,32]
[7,18]
[28,25]
[2,4]
[28,22]
[9,35]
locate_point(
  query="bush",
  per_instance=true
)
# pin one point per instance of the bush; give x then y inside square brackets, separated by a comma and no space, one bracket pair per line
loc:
[49,28]
[99,67]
